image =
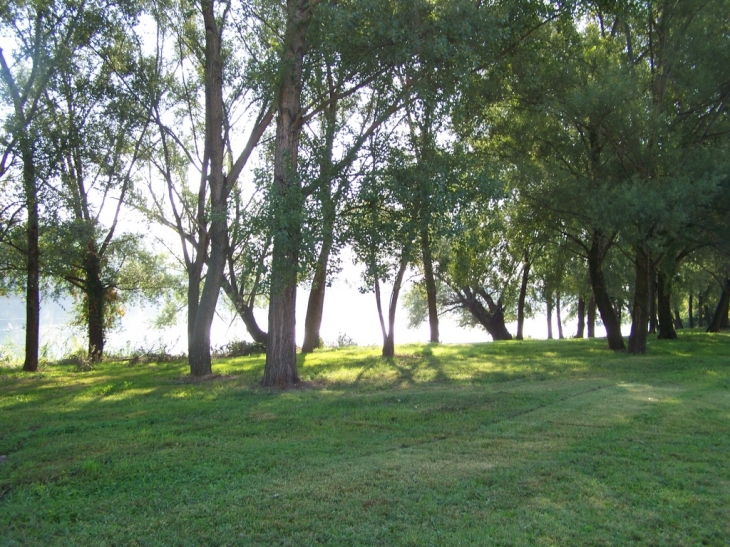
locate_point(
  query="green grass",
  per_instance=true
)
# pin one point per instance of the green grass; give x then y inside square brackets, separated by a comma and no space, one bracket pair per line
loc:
[514,443]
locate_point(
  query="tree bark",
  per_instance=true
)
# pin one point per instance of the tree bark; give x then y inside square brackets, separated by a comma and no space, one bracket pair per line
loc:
[32,287]
[522,297]
[653,297]
[677,320]
[281,361]
[199,356]
[581,317]
[315,305]
[596,254]
[549,306]
[492,320]
[591,318]
[721,310]
[245,312]
[389,333]
[433,317]
[664,304]
[95,304]
[640,309]
[557,315]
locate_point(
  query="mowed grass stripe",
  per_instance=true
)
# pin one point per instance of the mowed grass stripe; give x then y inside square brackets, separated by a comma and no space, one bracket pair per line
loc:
[539,443]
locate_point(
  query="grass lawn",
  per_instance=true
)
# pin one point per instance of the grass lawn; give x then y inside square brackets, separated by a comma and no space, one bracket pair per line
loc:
[509,443]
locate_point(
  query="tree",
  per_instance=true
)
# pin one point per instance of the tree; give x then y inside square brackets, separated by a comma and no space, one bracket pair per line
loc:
[98,125]
[46,36]
[384,233]
[204,70]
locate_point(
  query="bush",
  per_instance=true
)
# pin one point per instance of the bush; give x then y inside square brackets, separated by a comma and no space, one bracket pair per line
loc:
[239,348]
[344,341]
[79,358]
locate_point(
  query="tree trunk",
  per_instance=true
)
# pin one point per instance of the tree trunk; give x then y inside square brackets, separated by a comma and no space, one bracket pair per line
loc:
[95,304]
[193,293]
[677,320]
[32,287]
[549,305]
[653,296]
[522,297]
[281,360]
[389,336]
[492,320]
[581,317]
[721,310]
[557,316]
[596,255]
[433,317]
[664,297]
[315,305]
[199,356]
[591,318]
[245,312]
[691,313]
[640,315]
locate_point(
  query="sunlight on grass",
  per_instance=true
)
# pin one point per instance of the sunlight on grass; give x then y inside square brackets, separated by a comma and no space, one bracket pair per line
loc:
[535,443]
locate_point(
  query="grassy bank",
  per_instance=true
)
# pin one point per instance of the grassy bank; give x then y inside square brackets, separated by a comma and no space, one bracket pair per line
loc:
[516,443]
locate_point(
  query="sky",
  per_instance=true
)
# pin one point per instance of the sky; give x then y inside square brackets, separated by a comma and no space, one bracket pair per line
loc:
[347,311]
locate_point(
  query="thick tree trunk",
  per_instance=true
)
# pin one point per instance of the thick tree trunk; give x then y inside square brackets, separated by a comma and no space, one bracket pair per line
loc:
[549,305]
[95,304]
[492,320]
[32,287]
[640,315]
[664,304]
[591,318]
[581,317]
[199,356]
[281,360]
[557,316]
[522,297]
[691,313]
[596,255]
[433,317]
[721,310]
